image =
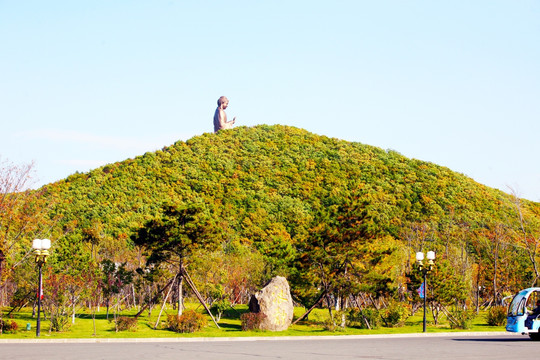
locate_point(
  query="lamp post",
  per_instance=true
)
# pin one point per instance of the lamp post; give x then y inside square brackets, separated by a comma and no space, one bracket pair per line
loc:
[424,270]
[41,251]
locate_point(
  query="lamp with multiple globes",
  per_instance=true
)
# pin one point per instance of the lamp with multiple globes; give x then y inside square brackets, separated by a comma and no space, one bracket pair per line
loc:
[41,251]
[425,270]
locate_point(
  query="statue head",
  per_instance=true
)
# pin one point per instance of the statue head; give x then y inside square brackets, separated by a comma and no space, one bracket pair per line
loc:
[222,100]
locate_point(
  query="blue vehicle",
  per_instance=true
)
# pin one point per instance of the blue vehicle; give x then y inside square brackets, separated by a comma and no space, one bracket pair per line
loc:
[524,313]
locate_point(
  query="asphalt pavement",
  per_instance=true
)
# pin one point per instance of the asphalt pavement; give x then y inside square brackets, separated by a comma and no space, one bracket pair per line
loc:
[404,346]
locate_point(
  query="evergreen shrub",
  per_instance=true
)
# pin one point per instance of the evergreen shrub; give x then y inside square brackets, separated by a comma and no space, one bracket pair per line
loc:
[396,314]
[358,318]
[60,323]
[219,307]
[335,322]
[496,316]
[461,318]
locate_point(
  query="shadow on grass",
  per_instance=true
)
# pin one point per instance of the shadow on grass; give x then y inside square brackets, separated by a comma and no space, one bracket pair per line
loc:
[231,326]
[99,316]
[234,313]
[21,316]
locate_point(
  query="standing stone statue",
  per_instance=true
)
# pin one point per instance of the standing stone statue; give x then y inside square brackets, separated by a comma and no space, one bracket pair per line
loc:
[220,117]
[274,301]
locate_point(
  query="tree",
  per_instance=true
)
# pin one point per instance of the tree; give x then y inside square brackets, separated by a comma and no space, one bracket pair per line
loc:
[343,255]
[445,288]
[115,278]
[174,236]
[529,234]
[24,215]
[93,290]
[495,240]
[231,273]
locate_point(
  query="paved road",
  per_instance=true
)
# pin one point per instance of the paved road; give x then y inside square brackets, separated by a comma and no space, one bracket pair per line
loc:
[366,347]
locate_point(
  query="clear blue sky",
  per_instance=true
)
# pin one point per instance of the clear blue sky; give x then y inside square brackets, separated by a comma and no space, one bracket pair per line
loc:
[456,83]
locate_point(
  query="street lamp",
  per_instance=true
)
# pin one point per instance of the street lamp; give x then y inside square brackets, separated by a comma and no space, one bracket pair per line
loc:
[41,251]
[424,270]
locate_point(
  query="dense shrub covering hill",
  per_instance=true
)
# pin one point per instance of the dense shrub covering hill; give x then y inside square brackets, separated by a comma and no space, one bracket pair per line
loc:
[316,209]
[269,176]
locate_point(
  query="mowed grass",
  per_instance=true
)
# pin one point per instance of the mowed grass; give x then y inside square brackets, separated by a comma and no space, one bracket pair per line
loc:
[230,326]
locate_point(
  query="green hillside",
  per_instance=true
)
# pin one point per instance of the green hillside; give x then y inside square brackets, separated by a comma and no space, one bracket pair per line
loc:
[272,184]
[337,218]
[281,173]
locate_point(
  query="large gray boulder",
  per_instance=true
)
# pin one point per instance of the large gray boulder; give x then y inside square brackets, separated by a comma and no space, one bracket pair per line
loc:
[275,302]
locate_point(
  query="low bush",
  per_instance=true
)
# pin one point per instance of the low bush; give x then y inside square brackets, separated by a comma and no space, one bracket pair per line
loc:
[461,319]
[335,323]
[124,323]
[496,316]
[60,323]
[252,321]
[361,318]
[396,313]
[219,307]
[8,327]
[190,321]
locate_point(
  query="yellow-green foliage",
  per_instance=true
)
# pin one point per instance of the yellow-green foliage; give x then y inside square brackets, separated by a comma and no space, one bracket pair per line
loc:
[124,323]
[266,182]
[496,315]
[190,321]
[300,200]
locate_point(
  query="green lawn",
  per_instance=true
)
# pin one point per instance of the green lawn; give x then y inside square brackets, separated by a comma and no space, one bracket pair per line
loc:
[229,326]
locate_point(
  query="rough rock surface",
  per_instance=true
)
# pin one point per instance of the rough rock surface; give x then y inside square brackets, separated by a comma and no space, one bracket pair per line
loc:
[274,301]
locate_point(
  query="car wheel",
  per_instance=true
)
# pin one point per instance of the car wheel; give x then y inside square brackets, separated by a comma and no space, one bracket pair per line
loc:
[534,336]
